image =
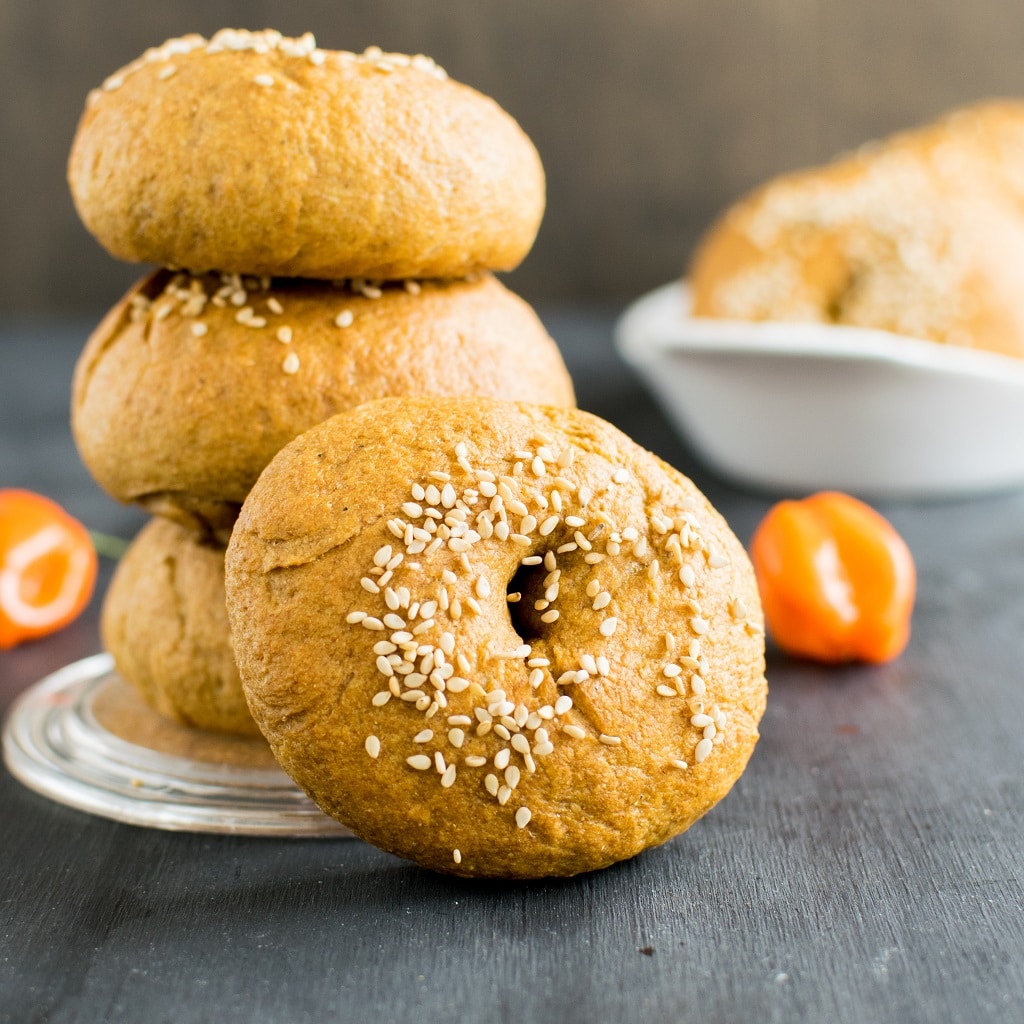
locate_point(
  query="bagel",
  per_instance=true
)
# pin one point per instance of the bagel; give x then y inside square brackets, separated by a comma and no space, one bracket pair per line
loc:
[371,582]
[259,154]
[190,385]
[921,234]
[165,622]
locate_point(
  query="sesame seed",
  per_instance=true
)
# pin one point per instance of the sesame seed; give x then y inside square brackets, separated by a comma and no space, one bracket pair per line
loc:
[369,585]
[608,626]
[679,764]
[550,616]
[699,625]
[702,751]
[671,670]
[666,691]
[456,853]
[421,762]
[166,72]
[482,587]
[381,698]
[344,318]
[574,731]
[423,737]
[369,622]
[412,287]
[474,761]
[373,746]
[264,79]
[698,685]
[547,526]
[284,335]
[523,816]
[610,741]
[700,721]
[602,601]
[199,330]
[491,784]
[291,363]
[563,705]
[717,560]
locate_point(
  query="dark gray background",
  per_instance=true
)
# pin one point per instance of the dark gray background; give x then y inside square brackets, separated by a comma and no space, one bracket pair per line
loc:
[649,114]
[866,869]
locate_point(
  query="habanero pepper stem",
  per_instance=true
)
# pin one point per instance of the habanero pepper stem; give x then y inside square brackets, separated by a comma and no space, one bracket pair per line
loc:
[837,581]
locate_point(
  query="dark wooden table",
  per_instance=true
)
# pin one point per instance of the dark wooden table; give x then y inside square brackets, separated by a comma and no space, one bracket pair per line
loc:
[867,867]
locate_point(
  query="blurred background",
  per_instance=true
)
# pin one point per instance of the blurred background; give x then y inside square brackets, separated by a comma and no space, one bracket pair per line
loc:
[650,115]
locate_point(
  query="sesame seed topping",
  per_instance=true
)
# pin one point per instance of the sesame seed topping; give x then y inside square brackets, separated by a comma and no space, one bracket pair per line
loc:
[373,746]
[264,80]
[421,762]
[344,318]
[291,363]
[284,335]
[679,764]
[199,330]
[457,856]
[703,749]
[574,731]
[563,705]
[610,741]
[608,626]
[699,625]
[523,816]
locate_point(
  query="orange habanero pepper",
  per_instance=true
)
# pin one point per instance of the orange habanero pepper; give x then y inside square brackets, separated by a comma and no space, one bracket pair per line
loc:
[47,567]
[837,581]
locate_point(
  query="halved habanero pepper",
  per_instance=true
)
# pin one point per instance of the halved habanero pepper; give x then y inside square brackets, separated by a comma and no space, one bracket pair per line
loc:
[47,567]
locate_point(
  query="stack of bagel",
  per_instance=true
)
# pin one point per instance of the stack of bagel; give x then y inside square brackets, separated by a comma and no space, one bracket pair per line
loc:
[482,628]
[326,224]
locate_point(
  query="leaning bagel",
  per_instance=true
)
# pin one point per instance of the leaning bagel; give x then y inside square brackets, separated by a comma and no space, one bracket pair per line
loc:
[165,623]
[259,154]
[190,385]
[496,639]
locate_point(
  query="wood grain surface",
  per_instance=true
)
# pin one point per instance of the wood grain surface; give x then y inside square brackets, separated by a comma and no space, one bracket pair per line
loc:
[650,115]
[867,867]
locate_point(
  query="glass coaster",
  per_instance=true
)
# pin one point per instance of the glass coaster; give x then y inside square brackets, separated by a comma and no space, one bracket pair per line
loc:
[84,738]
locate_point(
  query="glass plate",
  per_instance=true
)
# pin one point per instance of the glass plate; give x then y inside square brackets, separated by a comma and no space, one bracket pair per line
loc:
[83,737]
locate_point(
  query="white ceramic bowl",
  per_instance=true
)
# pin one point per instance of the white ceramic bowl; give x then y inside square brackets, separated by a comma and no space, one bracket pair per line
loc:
[804,407]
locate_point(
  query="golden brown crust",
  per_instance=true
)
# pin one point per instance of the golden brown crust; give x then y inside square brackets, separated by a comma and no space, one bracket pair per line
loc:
[183,423]
[165,622]
[327,525]
[339,165]
[921,234]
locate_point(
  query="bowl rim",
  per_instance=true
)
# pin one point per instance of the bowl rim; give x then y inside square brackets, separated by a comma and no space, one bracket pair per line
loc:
[660,321]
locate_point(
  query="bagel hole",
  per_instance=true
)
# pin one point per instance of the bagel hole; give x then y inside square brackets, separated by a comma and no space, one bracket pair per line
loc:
[528,582]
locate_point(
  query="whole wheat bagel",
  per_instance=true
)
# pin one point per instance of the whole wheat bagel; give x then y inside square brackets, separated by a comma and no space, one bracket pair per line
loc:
[921,234]
[165,623]
[191,384]
[496,639]
[255,153]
